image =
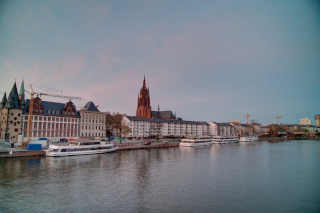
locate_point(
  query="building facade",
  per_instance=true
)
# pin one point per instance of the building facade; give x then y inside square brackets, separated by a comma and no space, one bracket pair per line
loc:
[157,128]
[305,121]
[11,111]
[222,129]
[317,119]
[92,122]
[51,120]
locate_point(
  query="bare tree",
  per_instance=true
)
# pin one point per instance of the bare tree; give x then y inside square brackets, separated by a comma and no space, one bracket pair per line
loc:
[273,129]
[114,125]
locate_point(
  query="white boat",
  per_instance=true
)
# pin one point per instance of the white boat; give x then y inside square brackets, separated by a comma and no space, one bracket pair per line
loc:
[225,139]
[80,148]
[248,139]
[199,141]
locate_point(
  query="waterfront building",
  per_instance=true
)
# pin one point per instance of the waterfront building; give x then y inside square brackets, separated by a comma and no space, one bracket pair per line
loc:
[11,111]
[92,122]
[264,130]
[221,129]
[157,128]
[243,129]
[51,120]
[305,121]
[317,119]
[287,127]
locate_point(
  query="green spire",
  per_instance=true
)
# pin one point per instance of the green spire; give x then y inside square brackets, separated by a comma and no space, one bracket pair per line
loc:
[22,88]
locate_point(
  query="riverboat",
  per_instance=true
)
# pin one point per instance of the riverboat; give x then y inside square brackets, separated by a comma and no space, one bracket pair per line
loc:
[225,139]
[248,139]
[199,141]
[80,148]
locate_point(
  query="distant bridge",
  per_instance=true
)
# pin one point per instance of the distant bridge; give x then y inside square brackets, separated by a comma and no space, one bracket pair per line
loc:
[300,135]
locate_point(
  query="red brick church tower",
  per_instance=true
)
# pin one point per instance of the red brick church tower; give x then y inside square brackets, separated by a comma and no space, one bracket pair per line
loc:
[144,108]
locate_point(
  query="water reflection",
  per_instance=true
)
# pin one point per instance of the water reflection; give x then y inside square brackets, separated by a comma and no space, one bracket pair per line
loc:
[260,176]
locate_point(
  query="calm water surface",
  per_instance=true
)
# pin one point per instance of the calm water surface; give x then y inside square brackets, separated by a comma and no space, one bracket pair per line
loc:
[245,177]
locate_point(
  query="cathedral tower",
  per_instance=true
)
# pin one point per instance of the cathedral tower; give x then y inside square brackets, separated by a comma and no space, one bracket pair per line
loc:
[144,108]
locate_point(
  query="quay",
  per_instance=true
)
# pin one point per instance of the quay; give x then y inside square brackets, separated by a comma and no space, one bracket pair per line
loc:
[15,152]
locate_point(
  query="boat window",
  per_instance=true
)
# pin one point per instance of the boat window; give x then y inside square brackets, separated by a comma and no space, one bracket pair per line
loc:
[55,150]
[63,150]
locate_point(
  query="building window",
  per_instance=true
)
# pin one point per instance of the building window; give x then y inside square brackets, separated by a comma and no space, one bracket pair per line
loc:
[49,118]
[49,111]
[16,130]
[36,110]
[57,112]
[11,114]
[44,118]
[40,110]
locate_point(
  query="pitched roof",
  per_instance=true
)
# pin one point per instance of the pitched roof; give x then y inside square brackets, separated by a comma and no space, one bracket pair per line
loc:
[13,99]
[91,107]
[133,118]
[21,92]
[57,107]
[4,100]
[163,114]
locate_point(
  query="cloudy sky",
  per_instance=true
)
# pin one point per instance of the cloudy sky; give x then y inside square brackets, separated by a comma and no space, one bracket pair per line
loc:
[205,60]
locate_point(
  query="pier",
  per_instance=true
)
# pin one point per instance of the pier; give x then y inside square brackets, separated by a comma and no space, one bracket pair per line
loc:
[15,152]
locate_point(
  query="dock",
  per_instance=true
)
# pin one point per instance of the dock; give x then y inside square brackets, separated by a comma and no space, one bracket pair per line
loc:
[15,152]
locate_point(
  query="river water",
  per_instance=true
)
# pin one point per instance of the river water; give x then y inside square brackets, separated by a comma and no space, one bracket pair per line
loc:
[282,176]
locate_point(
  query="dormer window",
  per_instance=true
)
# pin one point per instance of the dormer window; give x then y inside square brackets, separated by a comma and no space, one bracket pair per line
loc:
[49,111]
[57,112]
[40,110]
[52,111]
[36,110]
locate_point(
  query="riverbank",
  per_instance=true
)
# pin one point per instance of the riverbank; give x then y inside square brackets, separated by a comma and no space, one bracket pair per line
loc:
[15,152]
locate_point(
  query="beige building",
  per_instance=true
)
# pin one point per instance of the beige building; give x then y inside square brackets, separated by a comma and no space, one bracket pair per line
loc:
[92,122]
[222,129]
[11,111]
[305,121]
[317,118]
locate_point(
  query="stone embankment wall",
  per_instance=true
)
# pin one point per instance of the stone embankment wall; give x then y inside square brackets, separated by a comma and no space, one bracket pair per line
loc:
[21,154]
[127,147]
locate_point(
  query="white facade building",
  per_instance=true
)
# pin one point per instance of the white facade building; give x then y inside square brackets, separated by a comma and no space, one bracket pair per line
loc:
[144,127]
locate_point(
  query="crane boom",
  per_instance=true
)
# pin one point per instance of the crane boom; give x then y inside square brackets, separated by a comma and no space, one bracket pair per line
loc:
[247,116]
[277,119]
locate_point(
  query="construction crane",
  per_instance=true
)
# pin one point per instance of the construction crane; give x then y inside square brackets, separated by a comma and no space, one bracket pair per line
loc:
[277,119]
[31,108]
[247,116]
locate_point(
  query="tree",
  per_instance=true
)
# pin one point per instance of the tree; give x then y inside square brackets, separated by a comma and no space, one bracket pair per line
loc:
[114,125]
[273,129]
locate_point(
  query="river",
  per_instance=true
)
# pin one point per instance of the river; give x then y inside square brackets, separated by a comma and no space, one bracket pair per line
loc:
[264,176]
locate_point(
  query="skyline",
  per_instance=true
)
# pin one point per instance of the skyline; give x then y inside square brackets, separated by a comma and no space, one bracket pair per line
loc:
[205,61]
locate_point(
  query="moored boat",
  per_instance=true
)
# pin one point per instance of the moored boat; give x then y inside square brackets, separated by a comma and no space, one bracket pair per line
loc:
[225,139]
[80,148]
[248,139]
[199,141]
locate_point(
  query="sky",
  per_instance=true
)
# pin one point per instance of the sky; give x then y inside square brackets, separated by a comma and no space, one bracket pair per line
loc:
[204,60]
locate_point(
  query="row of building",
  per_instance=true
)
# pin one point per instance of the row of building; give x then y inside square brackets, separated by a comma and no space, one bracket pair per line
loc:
[54,121]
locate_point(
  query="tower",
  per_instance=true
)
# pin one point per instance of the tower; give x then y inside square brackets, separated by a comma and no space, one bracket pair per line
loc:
[144,108]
